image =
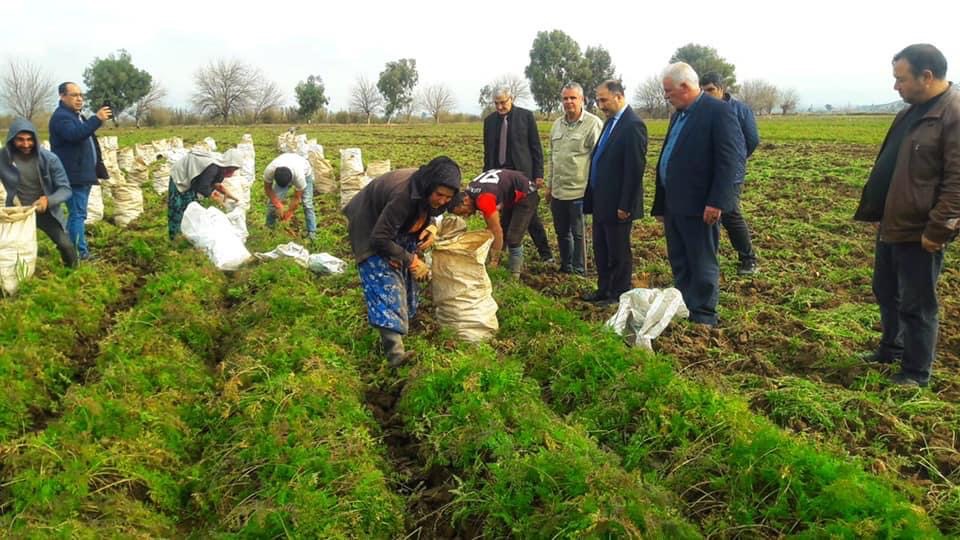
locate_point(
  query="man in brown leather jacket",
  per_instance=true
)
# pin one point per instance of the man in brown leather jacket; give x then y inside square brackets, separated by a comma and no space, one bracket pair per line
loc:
[914,193]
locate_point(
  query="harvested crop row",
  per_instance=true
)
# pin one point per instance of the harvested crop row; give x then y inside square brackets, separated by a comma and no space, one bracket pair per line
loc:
[120,460]
[520,470]
[291,447]
[735,470]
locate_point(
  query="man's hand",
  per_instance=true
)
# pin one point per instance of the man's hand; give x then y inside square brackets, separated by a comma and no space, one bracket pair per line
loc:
[538,182]
[659,219]
[217,196]
[419,269]
[287,216]
[41,204]
[622,215]
[427,238]
[711,215]
[275,201]
[104,114]
[930,245]
[494,260]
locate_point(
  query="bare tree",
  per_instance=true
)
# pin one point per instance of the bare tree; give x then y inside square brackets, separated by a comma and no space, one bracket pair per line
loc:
[365,98]
[26,88]
[225,88]
[517,85]
[436,100]
[147,103]
[759,95]
[789,99]
[268,97]
[650,100]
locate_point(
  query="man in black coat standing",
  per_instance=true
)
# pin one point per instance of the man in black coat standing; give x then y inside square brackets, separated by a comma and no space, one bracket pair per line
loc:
[511,141]
[614,192]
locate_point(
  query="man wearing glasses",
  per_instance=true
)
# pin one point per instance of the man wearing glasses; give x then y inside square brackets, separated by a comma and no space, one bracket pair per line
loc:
[73,139]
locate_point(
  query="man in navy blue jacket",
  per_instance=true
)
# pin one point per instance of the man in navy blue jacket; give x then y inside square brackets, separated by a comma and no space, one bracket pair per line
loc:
[614,192]
[732,220]
[73,140]
[702,155]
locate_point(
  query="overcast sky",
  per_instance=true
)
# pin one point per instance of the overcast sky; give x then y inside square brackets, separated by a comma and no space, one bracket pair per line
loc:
[832,52]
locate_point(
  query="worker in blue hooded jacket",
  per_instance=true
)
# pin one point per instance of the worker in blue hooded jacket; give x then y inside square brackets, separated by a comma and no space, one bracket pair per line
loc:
[35,177]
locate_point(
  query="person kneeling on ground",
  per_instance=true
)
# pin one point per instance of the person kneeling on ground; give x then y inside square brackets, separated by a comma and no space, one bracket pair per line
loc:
[284,170]
[389,222]
[35,176]
[508,200]
[197,173]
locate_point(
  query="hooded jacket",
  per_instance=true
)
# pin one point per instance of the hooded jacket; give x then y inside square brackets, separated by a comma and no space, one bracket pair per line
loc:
[53,178]
[389,206]
[73,141]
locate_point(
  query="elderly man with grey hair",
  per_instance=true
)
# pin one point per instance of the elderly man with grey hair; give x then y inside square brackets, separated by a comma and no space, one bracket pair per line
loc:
[702,155]
[511,141]
[572,139]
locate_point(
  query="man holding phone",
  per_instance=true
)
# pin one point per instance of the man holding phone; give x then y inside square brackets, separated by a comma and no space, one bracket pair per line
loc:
[73,139]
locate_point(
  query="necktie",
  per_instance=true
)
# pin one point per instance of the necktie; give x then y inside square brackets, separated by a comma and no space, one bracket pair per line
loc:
[606,133]
[502,154]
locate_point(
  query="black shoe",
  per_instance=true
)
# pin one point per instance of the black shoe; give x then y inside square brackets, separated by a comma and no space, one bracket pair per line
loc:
[608,302]
[595,296]
[876,357]
[747,267]
[566,270]
[902,379]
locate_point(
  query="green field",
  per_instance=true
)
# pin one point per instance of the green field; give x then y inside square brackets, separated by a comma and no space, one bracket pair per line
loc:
[148,395]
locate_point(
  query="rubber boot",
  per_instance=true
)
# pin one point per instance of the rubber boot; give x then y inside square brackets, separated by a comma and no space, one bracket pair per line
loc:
[393,348]
[515,262]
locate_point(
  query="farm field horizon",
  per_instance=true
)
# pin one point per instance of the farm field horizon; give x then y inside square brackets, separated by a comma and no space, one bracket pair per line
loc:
[150,395]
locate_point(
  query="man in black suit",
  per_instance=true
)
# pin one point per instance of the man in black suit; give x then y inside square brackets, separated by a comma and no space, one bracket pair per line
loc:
[697,176]
[614,192]
[511,141]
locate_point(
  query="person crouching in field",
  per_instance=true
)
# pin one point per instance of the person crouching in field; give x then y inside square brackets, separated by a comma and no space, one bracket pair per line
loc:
[198,173]
[36,177]
[388,224]
[285,170]
[508,200]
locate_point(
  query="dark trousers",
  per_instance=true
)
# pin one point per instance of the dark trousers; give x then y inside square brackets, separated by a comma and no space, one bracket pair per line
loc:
[538,233]
[518,218]
[738,230]
[49,225]
[692,251]
[568,224]
[904,283]
[613,256]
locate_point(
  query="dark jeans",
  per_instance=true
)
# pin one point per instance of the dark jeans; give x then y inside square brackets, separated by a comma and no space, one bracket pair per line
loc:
[76,216]
[905,285]
[517,219]
[738,230]
[613,256]
[49,225]
[538,233]
[568,224]
[692,251]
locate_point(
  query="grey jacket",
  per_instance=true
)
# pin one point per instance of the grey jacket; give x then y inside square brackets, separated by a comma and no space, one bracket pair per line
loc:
[53,178]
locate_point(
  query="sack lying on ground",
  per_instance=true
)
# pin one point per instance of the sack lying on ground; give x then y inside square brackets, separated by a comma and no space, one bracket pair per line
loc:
[325,263]
[292,250]
[18,246]
[643,314]
[210,230]
[462,291]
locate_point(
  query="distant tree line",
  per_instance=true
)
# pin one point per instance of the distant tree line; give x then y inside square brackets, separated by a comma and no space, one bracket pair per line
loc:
[233,91]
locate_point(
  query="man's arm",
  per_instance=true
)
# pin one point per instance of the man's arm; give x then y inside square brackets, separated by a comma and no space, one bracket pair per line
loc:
[493,225]
[61,184]
[536,147]
[634,163]
[72,129]
[944,218]
[748,125]
[488,143]
[729,156]
[382,238]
